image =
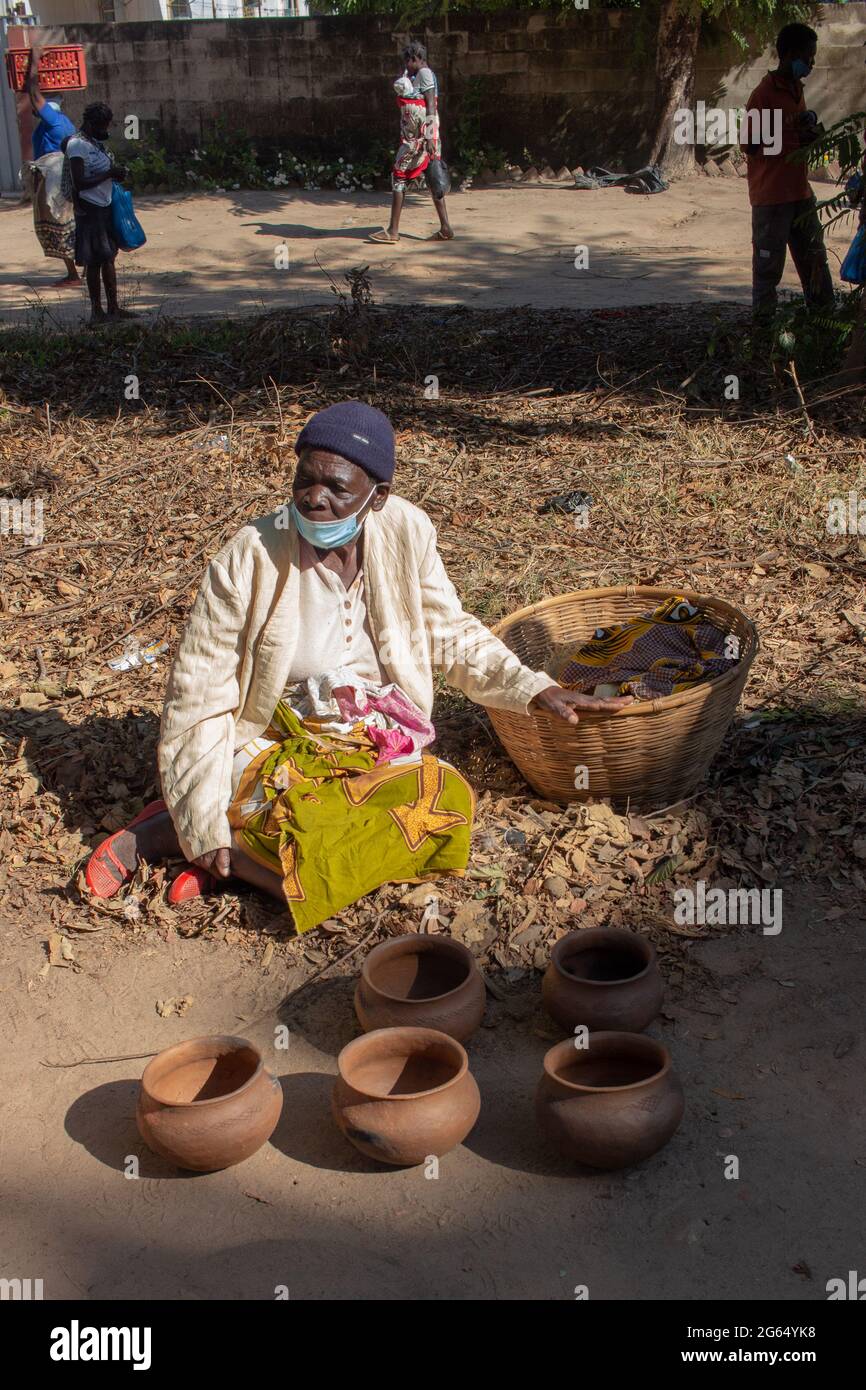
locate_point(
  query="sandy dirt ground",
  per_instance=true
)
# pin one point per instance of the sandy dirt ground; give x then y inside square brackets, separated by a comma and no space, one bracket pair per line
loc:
[766,1032]
[216,254]
[767,1041]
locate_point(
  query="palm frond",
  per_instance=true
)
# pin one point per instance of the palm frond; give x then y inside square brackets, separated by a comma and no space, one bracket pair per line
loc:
[841,141]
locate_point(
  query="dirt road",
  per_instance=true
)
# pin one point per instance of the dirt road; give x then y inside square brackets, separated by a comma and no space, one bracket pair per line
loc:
[765,1043]
[516,245]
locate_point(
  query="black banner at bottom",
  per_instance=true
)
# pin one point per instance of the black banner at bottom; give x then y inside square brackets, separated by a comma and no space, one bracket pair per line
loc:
[199,1338]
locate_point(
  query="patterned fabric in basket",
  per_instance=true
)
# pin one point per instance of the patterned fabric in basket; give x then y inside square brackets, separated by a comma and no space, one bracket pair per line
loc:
[662,653]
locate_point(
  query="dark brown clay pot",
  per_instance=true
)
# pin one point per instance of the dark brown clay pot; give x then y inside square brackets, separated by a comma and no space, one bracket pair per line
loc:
[603,978]
[208,1103]
[612,1103]
[405,1094]
[421,982]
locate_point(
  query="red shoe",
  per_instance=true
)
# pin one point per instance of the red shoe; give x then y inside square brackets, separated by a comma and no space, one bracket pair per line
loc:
[191,883]
[97,875]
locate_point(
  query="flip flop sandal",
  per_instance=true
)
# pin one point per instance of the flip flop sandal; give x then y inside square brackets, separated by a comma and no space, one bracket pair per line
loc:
[191,883]
[97,875]
[437,236]
[383,239]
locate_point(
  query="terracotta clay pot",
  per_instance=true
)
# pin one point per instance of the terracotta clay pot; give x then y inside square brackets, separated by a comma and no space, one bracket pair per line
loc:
[405,1094]
[421,982]
[603,977]
[208,1103]
[612,1103]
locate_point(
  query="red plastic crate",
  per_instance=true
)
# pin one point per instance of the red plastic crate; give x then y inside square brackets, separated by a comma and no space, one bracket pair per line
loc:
[61,69]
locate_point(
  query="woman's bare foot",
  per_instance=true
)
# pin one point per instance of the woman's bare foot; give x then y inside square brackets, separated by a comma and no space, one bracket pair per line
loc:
[247,869]
[153,839]
[117,313]
[68,282]
[443,234]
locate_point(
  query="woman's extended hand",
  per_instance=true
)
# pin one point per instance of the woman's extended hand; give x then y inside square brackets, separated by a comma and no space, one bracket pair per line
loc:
[563,703]
[216,861]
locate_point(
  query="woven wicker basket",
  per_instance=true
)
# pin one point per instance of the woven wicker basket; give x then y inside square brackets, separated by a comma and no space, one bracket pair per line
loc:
[652,753]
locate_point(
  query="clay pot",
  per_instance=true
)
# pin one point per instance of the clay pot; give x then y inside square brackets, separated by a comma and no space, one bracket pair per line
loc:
[208,1103]
[612,1103]
[405,1094]
[603,977]
[421,982]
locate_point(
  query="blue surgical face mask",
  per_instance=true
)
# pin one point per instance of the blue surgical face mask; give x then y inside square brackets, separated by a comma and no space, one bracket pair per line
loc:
[800,69]
[327,535]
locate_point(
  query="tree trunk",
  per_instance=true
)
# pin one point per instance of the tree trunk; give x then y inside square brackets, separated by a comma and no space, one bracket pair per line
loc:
[676,51]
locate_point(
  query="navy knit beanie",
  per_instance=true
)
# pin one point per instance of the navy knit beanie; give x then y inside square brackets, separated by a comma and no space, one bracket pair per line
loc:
[356,432]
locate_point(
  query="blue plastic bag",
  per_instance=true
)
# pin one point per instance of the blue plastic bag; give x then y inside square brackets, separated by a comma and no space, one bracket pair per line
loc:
[127,228]
[854,265]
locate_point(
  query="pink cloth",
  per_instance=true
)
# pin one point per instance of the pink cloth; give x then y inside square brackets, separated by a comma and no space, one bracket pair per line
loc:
[412,731]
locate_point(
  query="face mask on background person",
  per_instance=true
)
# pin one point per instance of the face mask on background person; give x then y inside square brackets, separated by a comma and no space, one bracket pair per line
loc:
[800,69]
[326,535]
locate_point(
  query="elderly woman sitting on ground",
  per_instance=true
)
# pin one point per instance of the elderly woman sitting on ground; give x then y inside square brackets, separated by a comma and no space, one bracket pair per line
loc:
[295,739]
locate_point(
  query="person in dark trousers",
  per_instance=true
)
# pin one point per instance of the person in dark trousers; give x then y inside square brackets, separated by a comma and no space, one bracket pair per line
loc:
[93,174]
[784,215]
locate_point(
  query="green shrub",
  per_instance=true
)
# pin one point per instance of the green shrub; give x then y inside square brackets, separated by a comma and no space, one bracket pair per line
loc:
[150,165]
[814,339]
[227,159]
[344,173]
[469,153]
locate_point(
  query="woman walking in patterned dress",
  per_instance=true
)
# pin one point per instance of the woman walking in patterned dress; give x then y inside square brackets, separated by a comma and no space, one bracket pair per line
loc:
[418,99]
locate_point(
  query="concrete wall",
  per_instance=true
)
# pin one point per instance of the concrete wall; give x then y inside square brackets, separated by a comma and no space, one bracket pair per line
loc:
[560,84]
[836,88]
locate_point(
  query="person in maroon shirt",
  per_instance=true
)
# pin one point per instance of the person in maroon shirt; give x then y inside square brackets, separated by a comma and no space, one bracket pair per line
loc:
[784,215]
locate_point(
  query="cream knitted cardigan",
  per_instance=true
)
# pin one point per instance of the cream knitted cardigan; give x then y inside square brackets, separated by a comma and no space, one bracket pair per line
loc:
[235,656]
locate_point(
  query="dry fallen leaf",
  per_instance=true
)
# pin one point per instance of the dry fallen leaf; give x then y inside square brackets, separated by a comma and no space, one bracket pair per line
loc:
[55,949]
[681,931]
[167,1007]
[578,861]
[665,870]
[817,571]
[420,896]
[470,923]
